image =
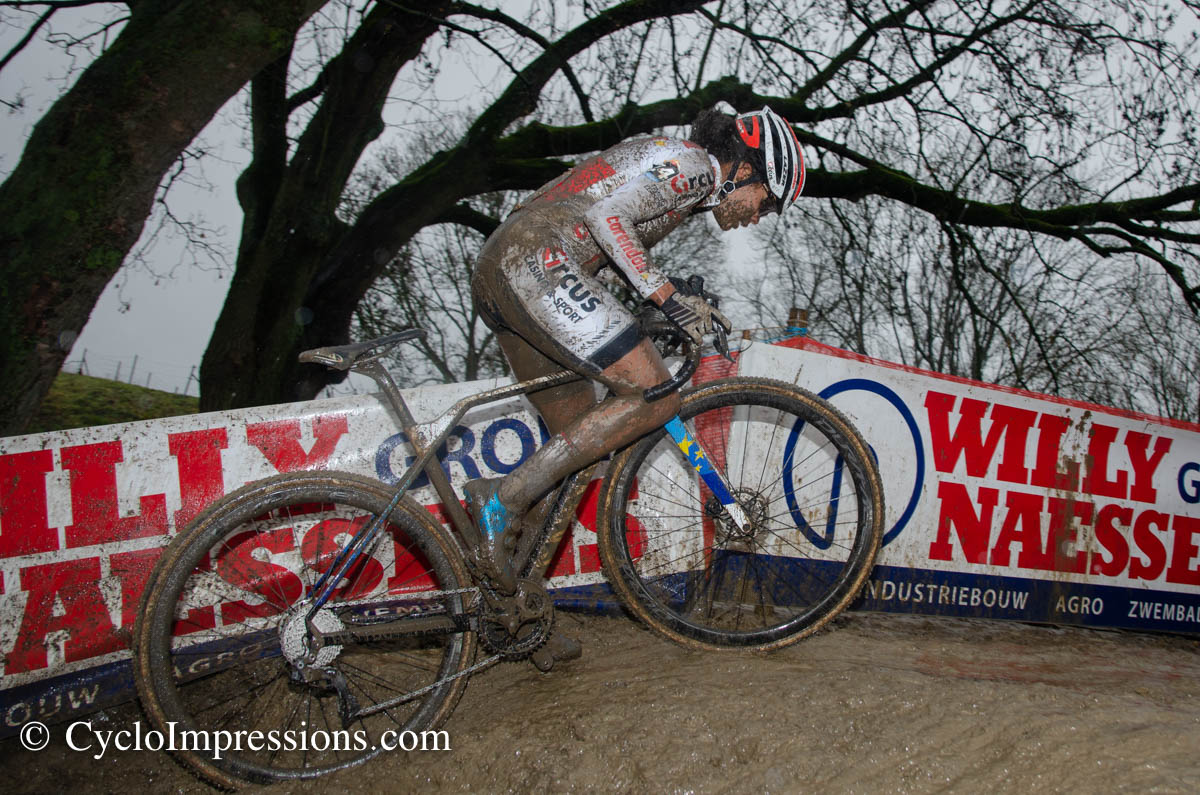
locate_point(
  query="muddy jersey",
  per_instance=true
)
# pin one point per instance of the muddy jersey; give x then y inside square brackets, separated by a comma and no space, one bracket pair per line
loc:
[535,274]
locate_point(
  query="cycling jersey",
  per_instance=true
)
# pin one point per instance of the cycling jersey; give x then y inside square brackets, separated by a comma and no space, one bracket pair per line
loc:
[535,274]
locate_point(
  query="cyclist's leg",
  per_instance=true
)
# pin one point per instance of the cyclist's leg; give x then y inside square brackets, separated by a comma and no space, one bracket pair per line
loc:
[557,406]
[549,312]
[583,431]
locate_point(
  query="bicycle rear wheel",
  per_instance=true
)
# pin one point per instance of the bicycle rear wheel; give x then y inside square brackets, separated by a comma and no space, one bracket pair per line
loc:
[221,633]
[809,487]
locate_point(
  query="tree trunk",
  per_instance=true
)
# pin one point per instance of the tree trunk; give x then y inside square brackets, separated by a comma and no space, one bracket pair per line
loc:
[290,208]
[78,198]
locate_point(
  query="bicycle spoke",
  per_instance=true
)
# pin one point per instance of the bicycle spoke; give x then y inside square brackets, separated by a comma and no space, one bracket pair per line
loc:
[244,617]
[794,560]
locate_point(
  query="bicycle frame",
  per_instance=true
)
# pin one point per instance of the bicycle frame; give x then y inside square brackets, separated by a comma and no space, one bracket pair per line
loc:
[427,437]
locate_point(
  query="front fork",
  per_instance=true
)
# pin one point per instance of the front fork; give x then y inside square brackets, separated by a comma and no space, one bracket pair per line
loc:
[700,461]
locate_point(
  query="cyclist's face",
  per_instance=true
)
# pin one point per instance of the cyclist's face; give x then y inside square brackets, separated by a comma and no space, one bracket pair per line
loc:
[746,205]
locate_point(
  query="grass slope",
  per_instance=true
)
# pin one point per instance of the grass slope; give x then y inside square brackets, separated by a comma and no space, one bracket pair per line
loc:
[78,401]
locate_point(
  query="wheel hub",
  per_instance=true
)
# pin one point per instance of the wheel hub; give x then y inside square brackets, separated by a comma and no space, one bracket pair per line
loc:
[752,503]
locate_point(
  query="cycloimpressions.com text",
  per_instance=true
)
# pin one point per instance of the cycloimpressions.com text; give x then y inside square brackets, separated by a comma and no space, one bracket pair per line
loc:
[81,736]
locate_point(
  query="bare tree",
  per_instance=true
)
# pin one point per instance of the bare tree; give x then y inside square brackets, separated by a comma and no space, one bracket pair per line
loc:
[75,203]
[997,305]
[977,116]
[1068,120]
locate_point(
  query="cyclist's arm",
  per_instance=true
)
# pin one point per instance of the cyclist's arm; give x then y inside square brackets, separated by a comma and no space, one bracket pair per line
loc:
[684,178]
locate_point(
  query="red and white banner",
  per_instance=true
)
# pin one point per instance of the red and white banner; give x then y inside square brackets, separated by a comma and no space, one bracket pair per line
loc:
[1007,504]
[84,514]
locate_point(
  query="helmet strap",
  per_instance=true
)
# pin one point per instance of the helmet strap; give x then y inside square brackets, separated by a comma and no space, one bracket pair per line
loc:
[729,186]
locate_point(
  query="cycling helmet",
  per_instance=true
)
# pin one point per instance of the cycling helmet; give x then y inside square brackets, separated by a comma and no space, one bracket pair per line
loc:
[771,138]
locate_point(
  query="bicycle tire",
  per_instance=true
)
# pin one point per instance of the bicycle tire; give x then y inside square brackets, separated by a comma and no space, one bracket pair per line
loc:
[220,607]
[678,563]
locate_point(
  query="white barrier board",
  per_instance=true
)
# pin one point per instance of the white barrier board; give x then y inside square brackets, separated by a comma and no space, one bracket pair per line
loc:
[1006,504]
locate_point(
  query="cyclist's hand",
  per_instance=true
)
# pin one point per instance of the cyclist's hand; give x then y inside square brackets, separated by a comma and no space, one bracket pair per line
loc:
[693,315]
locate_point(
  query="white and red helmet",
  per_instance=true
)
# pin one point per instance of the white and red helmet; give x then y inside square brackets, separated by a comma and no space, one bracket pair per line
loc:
[770,136]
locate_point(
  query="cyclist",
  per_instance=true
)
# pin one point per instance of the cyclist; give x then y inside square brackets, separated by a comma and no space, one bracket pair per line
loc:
[535,287]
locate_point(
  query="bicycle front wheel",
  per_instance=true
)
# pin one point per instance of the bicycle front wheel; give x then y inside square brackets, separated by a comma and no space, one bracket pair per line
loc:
[220,646]
[813,510]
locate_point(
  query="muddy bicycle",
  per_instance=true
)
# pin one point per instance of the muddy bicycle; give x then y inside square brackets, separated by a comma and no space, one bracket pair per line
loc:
[317,617]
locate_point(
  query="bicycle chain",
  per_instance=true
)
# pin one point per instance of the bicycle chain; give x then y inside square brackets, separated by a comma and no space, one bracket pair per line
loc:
[496,639]
[493,635]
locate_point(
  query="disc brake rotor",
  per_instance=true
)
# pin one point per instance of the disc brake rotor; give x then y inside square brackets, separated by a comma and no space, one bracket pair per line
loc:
[753,505]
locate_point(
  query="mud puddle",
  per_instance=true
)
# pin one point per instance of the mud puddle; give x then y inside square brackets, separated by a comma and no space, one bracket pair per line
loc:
[879,704]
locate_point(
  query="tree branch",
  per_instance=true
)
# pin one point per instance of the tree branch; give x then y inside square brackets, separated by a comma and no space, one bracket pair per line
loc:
[28,37]
[531,34]
[520,98]
[464,214]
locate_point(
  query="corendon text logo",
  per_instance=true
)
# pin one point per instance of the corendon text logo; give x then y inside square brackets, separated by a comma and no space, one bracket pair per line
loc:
[901,461]
[632,251]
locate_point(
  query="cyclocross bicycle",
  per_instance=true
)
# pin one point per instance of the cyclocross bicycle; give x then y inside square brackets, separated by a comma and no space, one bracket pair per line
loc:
[329,601]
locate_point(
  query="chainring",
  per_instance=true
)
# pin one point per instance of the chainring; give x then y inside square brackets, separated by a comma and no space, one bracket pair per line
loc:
[530,610]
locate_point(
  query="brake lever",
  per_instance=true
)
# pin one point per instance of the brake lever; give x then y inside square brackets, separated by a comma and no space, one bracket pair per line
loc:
[721,341]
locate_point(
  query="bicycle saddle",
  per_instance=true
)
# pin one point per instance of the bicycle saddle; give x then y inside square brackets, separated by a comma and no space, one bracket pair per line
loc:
[343,357]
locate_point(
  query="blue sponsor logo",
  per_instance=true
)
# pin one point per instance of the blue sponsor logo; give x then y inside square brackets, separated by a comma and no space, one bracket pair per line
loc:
[825,539]
[493,449]
[1189,482]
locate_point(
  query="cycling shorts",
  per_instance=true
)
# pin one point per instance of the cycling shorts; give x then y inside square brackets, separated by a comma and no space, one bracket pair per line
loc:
[529,281]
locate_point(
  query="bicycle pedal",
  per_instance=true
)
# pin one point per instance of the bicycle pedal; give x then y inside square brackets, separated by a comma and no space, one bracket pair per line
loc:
[542,660]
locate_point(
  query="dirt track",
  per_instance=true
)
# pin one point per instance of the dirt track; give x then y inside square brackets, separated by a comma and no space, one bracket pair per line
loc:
[881,703]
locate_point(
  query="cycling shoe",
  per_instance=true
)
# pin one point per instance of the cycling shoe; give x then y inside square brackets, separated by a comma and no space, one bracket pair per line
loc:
[559,648]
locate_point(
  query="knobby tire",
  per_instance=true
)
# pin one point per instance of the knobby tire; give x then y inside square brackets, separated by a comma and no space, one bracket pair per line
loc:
[208,649]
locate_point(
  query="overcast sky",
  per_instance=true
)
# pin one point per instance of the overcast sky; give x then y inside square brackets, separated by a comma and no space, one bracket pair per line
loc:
[162,316]
[162,311]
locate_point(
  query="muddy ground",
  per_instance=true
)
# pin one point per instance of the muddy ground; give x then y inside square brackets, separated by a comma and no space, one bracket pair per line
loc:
[879,704]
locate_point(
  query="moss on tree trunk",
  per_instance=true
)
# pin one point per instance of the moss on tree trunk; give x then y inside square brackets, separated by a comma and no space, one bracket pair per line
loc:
[78,198]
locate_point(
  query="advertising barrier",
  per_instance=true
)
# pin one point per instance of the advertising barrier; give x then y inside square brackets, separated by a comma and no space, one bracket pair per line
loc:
[1006,504]
[1000,504]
